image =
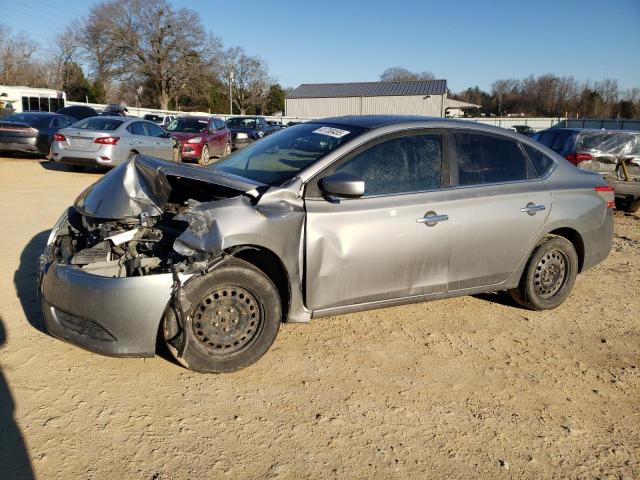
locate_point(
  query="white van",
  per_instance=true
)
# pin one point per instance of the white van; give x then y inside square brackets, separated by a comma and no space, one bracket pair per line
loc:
[23,99]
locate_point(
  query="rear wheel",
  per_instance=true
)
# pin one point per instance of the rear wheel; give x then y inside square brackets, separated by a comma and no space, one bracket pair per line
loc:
[549,275]
[232,318]
[204,156]
[628,206]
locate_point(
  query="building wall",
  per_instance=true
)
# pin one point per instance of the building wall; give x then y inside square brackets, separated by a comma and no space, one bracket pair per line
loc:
[396,105]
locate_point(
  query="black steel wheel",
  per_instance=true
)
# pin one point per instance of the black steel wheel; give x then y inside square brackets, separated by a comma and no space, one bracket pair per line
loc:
[549,275]
[231,317]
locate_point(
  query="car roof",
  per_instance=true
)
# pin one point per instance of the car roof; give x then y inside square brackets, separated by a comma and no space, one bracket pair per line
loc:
[39,113]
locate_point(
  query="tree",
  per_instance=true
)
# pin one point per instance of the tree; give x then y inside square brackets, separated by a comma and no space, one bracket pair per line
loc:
[16,62]
[275,99]
[248,77]
[395,74]
[154,44]
[74,83]
[500,88]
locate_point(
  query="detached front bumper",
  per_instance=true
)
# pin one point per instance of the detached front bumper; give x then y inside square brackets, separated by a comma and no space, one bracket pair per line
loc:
[111,316]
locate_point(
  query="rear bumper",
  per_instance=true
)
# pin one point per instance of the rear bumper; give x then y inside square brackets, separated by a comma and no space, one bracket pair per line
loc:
[111,316]
[598,242]
[27,145]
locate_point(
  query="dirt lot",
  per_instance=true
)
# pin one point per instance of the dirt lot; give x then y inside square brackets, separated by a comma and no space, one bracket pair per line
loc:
[472,387]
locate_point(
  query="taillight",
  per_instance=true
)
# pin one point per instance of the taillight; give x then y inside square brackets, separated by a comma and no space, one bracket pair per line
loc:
[107,140]
[576,158]
[606,191]
[58,137]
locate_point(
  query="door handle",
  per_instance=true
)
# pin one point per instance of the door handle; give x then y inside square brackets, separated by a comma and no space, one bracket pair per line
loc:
[532,208]
[431,218]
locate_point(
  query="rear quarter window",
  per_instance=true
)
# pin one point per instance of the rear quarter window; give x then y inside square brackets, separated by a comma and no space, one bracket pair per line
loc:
[541,162]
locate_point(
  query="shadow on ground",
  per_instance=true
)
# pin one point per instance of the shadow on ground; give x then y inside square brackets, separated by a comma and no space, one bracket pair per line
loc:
[503,298]
[14,459]
[59,167]
[25,279]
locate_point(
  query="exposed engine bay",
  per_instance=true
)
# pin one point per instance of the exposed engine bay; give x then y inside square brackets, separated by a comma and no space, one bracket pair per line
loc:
[141,245]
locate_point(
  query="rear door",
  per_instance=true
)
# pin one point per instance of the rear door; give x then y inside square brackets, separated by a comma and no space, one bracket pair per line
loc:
[499,207]
[379,247]
[139,140]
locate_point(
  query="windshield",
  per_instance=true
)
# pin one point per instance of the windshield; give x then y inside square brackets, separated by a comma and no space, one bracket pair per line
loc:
[188,125]
[240,122]
[280,156]
[98,123]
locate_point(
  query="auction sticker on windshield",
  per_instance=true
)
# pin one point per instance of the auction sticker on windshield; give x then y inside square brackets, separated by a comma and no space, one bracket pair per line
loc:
[332,132]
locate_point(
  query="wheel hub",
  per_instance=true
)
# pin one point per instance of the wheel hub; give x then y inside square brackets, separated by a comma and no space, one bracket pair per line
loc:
[226,320]
[550,273]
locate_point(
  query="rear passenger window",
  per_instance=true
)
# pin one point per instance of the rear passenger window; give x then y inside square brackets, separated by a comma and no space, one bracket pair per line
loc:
[137,129]
[401,165]
[541,163]
[488,159]
[558,143]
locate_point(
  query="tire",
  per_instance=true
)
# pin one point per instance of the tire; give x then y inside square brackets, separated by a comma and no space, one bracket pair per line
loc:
[235,297]
[49,156]
[549,276]
[628,206]
[204,156]
[227,150]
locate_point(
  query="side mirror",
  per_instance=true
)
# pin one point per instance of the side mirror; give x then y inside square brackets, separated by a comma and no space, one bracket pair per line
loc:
[342,185]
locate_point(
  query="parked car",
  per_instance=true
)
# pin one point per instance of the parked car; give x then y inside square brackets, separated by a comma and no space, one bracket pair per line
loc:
[381,211]
[201,138]
[245,130]
[162,119]
[79,112]
[524,129]
[115,110]
[615,154]
[109,141]
[31,132]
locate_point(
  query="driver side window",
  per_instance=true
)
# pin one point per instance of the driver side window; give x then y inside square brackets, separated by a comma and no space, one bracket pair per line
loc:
[407,164]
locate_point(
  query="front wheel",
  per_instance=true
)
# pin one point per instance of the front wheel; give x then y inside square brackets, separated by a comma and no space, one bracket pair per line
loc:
[549,275]
[227,150]
[204,156]
[232,319]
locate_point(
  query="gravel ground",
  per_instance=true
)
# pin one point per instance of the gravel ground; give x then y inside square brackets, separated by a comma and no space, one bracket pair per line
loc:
[472,387]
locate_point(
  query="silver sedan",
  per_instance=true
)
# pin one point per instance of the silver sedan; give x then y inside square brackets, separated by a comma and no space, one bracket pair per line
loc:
[109,141]
[324,218]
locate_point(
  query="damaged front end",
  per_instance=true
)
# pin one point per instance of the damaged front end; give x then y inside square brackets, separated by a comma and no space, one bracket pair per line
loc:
[116,259]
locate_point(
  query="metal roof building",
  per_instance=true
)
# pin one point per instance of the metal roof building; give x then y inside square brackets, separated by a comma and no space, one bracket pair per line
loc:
[419,97]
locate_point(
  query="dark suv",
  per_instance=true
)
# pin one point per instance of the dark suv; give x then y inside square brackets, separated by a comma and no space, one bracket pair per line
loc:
[615,154]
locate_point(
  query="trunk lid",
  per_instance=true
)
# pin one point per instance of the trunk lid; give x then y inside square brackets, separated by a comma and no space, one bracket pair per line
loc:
[17,130]
[82,140]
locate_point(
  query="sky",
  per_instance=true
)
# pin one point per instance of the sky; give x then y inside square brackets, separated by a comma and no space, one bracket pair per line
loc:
[466,42]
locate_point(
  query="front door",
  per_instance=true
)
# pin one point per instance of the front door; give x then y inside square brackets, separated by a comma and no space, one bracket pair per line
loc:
[499,207]
[393,242]
[162,143]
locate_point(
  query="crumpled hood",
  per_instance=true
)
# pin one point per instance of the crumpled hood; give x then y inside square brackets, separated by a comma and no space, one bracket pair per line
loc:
[140,186]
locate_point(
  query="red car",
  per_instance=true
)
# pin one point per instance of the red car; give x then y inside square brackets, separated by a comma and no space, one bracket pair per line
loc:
[201,138]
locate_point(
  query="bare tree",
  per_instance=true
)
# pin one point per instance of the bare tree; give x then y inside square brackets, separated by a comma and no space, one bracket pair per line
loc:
[395,74]
[500,88]
[248,77]
[16,57]
[151,43]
